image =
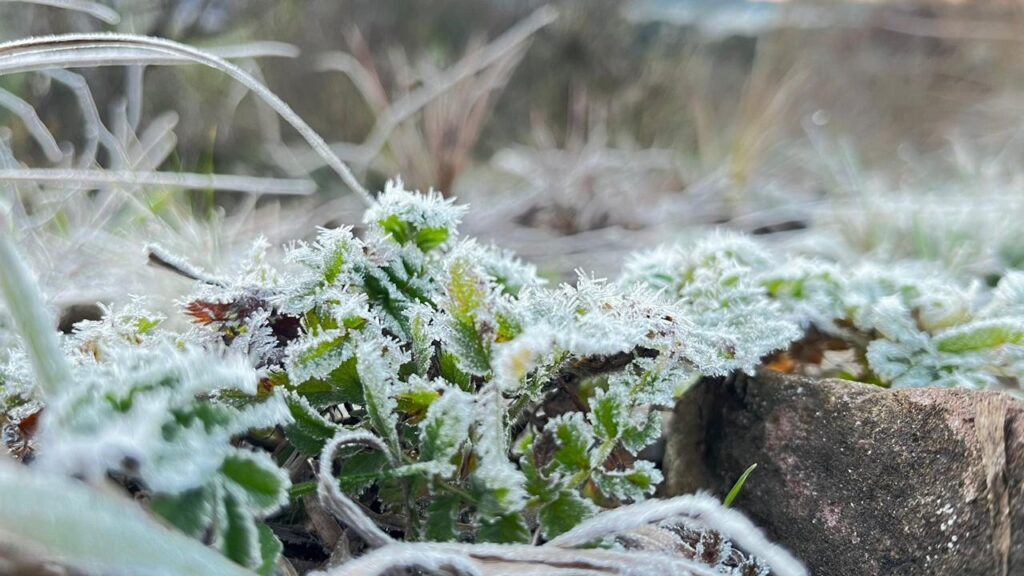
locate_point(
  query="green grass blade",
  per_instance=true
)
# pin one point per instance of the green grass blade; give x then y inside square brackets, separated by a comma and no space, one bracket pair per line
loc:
[738,487]
[95,531]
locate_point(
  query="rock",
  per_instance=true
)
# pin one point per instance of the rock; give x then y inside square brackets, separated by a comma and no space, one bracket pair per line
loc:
[856,479]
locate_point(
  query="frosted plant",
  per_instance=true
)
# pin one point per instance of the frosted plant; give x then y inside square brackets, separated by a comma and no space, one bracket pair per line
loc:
[914,325]
[718,286]
[898,324]
[165,416]
[461,398]
[130,324]
[497,409]
[907,323]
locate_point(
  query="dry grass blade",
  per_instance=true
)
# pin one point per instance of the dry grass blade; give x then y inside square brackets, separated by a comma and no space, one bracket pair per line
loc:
[702,509]
[77,50]
[404,108]
[94,9]
[40,133]
[191,181]
[409,556]
[344,509]
[517,560]
[264,49]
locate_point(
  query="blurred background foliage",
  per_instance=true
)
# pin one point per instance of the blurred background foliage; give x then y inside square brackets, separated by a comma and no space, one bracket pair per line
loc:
[620,125]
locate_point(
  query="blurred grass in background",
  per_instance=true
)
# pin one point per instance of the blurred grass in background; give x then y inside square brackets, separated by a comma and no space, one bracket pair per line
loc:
[620,125]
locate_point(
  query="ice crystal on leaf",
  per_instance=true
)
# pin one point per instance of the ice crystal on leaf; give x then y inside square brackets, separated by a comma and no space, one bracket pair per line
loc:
[427,221]
[131,324]
[166,416]
[717,287]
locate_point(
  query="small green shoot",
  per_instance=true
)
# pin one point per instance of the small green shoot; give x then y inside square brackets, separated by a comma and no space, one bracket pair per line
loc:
[738,487]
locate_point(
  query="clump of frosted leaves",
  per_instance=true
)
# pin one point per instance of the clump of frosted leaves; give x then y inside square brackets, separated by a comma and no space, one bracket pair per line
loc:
[237,310]
[332,260]
[130,324]
[496,408]
[450,351]
[913,323]
[150,406]
[138,412]
[922,326]
[954,347]
[426,221]
[716,285]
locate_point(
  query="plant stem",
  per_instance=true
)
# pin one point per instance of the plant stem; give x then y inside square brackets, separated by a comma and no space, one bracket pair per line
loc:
[35,326]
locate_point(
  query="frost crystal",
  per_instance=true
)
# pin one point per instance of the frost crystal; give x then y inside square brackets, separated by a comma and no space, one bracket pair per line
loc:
[717,287]
[412,216]
[139,412]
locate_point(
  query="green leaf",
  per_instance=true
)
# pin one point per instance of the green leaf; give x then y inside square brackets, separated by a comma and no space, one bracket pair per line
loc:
[270,550]
[335,260]
[361,469]
[497,487]
[416,402]
[399,230]
[633,484]
[738,486]
[607,412]
[467,296]
[408,289]
[96,531]
[637,436]
[442,514]
[256,480]
[563,513]
[239,538]
[381,297]
[574,439]
[309,432]
[191,511]
[448,366]
[392,494]
[144,325]
[446,426]
[980,336]
[340,386]
[506,529]
[508,328]
[380,405]
[314,356]
[422,345]
[428,239]
[536,485]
